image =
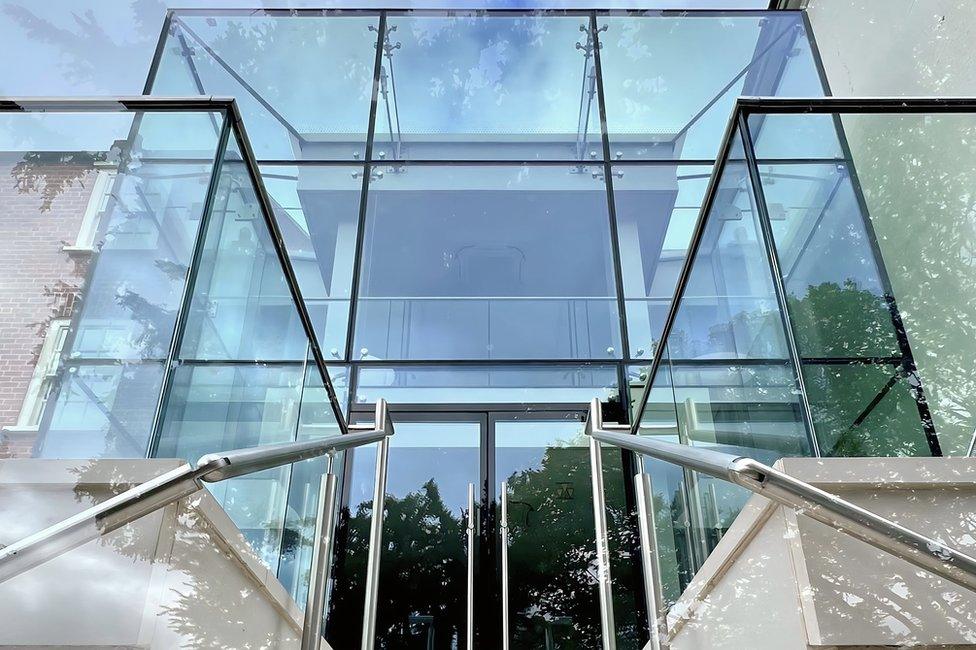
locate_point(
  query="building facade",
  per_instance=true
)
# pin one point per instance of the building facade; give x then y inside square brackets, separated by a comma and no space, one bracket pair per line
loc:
[493,217]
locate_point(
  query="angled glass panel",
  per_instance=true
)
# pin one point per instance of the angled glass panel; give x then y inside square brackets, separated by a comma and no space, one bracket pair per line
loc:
[864,409]
[657,207]
[317,209]
[315,420]
[841,312]
[915,175]
[725,380]
[241,308]
[478,86]
[670,79]
[100,215]
[264,61]
[229,406]
[243,375]
[486,262]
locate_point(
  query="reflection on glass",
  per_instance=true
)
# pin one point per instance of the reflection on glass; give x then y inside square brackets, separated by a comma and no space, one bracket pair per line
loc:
[554,602]
[241,307]
[315,420]
[729,309]
[657,207]
[317,209]
[423,571]
[725,380]
[99,222]
[263,61]
[671,79]
[244,378]
[493,262]
[477,86]
[841,312]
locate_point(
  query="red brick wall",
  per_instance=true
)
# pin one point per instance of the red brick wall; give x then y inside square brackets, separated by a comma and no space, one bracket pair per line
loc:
[39,214]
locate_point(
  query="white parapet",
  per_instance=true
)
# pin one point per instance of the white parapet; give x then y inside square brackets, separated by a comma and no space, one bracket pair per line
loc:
[779,580]
[183,576]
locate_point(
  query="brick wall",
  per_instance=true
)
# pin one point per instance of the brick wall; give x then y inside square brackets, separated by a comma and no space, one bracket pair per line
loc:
[40,212]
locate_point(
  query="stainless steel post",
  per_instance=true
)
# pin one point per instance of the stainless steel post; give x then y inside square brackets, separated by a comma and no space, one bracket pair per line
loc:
[693,498]
[469,623]
[505,542]
[321,562]
[602,547]
[375,545]
[653,592]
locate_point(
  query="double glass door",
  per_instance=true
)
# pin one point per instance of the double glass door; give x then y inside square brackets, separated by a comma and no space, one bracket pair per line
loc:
[543,459]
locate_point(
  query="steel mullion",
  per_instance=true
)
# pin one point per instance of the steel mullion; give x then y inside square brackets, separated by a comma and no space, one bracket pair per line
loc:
[608,180]
[772,257]
[357,270]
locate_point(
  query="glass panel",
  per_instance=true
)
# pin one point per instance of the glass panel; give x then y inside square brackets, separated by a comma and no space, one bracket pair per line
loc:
[836,297]
[222,406]
[100,216]
[315,420]
[493,384]
[264,62]
[487,262]
[241,307]
[423,575]
[243,366]
[671,79]
[725,380]
[915,174]
[657,208]
[317,209]
[476,86]
[553,598]
[864,410]
[840,309]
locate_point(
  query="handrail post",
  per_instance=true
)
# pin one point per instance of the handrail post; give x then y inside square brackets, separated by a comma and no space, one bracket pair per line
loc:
[595,422]
[469,621]
[653,591]
[376,527]
[505,540]
[321,561]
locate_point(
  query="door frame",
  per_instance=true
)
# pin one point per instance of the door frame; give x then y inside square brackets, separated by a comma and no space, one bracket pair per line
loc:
[488,546]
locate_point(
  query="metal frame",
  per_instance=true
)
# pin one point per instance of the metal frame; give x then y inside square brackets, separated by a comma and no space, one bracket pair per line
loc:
[234,125]
[607,164]
[746,106]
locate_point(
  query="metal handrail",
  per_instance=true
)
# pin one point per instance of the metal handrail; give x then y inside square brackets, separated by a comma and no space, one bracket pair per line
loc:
[185,480]
[820,505]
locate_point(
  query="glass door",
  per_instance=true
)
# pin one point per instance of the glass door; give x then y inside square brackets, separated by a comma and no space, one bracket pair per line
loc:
[541,454]
[542,461]
[423,569]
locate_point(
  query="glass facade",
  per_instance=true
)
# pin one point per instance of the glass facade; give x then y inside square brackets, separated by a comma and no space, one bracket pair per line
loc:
[785,337]
[487,214]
